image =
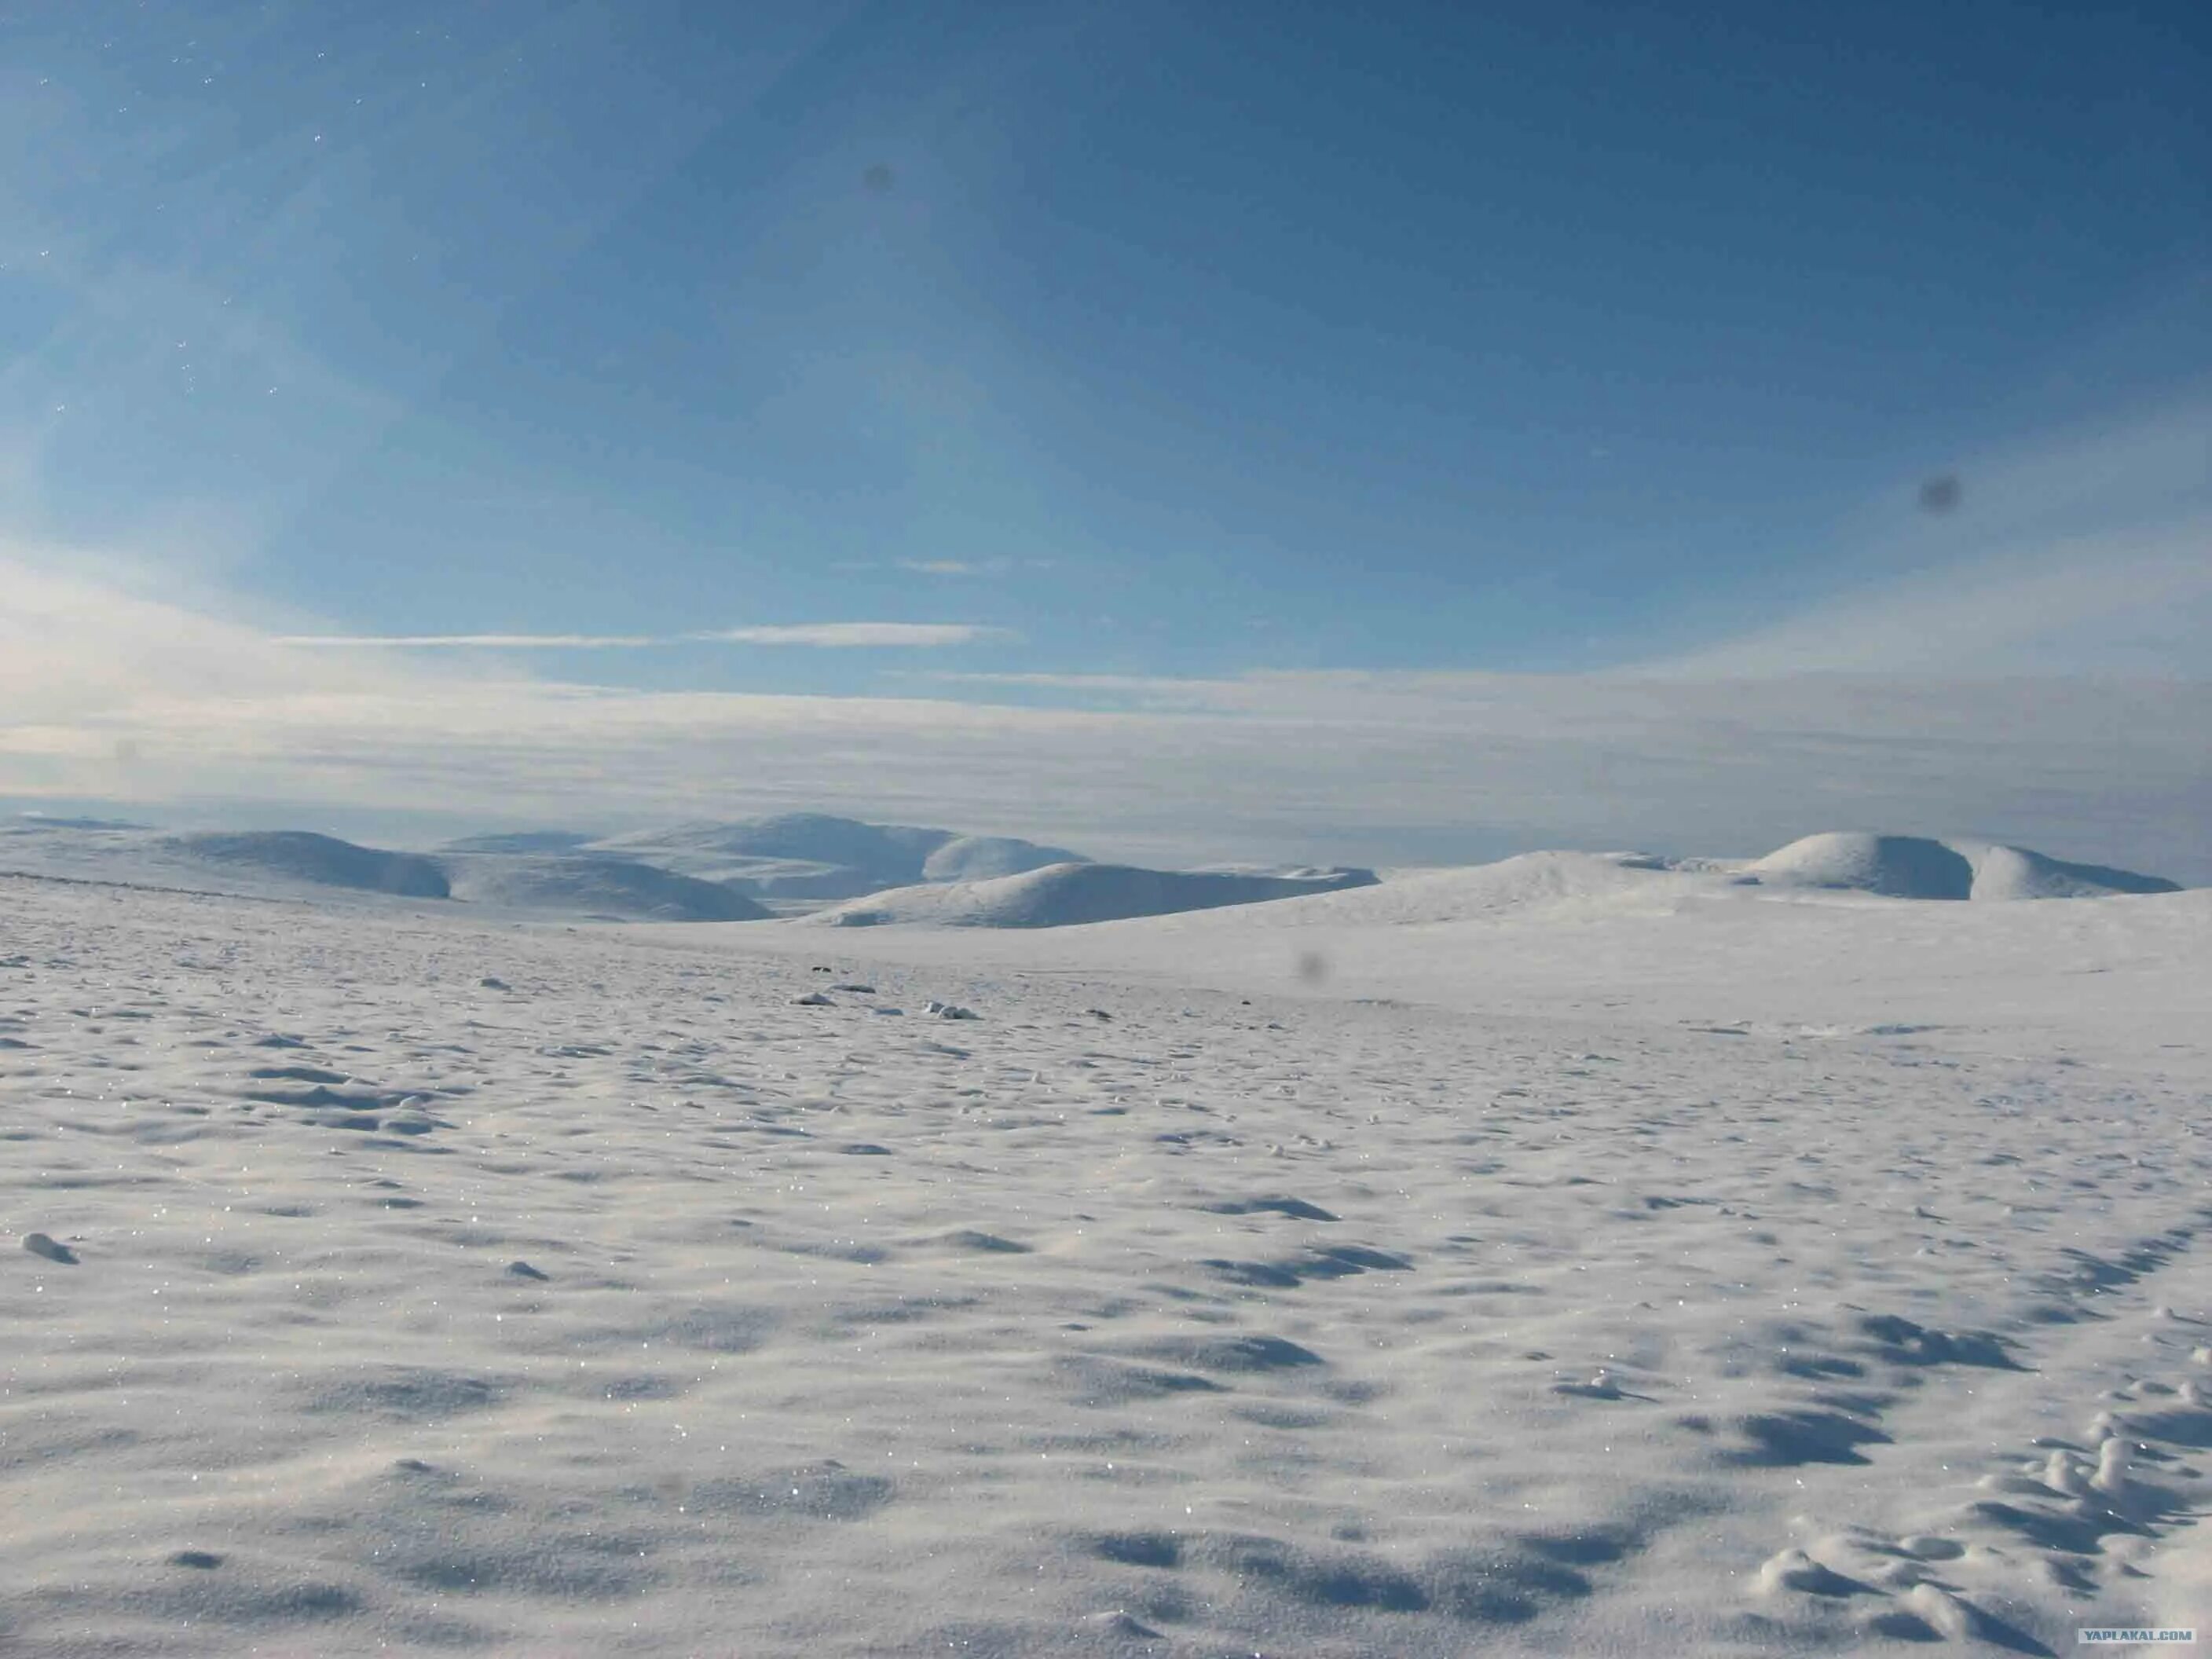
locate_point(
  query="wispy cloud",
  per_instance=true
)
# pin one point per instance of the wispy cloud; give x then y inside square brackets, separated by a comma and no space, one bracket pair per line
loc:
[849,635]
[958,567]
[2128,602]
[839,635]
[472,642]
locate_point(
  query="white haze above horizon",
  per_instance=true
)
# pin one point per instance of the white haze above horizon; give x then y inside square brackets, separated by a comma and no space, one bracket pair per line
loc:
[2041,692]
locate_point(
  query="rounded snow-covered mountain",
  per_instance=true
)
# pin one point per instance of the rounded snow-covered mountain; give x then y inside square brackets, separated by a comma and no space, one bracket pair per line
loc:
[815,856]
[301,855]
[1915,867]
[1067,895]
[980,858]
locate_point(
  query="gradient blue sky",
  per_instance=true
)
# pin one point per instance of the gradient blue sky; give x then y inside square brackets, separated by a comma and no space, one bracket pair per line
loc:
[1127,346]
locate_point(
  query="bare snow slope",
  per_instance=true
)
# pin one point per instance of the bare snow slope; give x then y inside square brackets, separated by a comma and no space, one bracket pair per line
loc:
[1625,936]
[418,1283]
[1548,887]
[1068,895]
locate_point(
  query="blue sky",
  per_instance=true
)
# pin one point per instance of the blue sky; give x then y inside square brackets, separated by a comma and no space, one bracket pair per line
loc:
[1114,348]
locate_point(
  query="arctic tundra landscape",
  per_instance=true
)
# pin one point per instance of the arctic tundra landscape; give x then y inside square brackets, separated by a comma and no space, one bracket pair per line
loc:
[808,1237]
[1083,830]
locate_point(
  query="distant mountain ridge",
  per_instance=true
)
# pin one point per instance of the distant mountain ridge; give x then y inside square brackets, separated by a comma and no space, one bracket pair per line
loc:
[803,855]
[853,873]
[698,871]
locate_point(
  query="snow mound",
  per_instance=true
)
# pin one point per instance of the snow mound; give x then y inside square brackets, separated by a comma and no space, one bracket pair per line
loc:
[980,858]
[2014,872]
[1069,895]
[594,886]
[1900,867]
[1917,867]
[323,860]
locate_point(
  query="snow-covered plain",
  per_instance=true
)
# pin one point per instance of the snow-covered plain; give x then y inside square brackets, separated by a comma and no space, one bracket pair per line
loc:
[1568,1257]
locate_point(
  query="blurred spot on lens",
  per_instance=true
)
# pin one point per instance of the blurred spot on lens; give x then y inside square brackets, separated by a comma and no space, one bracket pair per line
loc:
[1940,494]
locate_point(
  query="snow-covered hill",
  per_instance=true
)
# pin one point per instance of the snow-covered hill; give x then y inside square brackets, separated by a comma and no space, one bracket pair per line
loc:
[979,858]
[568,885]
[299,855]
[907,874]
[1068,895]
[814,855]
[1914,867]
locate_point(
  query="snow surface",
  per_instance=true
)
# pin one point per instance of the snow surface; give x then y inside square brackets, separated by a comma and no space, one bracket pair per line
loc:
[1581,1256]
